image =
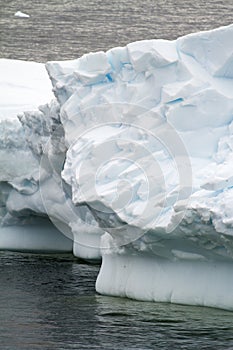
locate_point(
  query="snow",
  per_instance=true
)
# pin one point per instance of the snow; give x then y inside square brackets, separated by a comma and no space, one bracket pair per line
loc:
[23,86]
[133,162]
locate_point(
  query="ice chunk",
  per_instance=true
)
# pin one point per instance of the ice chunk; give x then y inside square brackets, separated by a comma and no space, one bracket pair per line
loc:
[21,14]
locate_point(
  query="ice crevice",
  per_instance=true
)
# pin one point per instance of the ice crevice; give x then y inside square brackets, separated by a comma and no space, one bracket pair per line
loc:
[132,162]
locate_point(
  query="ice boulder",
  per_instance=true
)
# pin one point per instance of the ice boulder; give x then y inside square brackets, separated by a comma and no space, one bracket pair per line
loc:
[148,131]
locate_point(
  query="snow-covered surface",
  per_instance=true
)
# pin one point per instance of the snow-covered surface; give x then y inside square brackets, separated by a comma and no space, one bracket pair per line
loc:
[23,86]
[138,145]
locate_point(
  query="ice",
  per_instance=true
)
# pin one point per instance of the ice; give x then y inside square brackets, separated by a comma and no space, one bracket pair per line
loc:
[21,14]
[149,152]
[133,162]
[23,86]
[32,151]
[39,235]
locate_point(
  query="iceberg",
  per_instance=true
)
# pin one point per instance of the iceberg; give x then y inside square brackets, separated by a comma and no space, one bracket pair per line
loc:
[133,163]
[24,227]
[21,14]
[148,129]
[36,214]
[23,86]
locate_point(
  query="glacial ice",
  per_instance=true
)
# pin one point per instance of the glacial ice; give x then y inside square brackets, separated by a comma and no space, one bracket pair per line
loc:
[21,14]
[23,86]
[135,164]
[36,214]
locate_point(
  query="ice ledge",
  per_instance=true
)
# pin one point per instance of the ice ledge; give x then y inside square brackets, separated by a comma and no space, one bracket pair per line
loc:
[147,278]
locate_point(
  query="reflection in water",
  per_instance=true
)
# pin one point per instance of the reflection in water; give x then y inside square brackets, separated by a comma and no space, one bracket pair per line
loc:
[50,303]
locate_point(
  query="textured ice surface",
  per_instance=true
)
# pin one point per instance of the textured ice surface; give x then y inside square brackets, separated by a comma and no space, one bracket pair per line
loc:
[138,145]
[148,128]
[24,85]
[32,152]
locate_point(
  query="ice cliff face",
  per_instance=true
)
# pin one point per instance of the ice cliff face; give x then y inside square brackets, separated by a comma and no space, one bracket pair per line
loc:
[44,136]
[139,145]
[148,130]
[32,153]
[23,85]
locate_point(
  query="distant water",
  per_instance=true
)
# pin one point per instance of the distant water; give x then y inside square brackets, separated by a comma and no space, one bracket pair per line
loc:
[50,302]
[65,29]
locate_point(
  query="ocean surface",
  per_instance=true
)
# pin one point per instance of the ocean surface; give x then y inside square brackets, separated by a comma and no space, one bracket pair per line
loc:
[66,29]
[49,302]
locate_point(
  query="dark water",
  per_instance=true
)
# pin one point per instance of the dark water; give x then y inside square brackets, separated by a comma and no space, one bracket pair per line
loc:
[63,29]
[50,302]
